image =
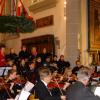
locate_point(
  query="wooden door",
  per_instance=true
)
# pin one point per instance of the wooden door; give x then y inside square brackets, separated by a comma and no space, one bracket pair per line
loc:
[46,41]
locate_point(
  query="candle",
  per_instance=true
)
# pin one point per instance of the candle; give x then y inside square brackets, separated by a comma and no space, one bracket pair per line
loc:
[78,40]
[97,51]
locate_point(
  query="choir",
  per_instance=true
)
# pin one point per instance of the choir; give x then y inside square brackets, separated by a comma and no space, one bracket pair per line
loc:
[54,76]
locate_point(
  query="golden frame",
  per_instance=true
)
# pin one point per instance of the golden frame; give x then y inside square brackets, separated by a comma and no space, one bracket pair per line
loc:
[94,24]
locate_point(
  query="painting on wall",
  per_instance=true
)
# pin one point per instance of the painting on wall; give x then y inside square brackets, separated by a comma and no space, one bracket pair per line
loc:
[94,24]
[45,21]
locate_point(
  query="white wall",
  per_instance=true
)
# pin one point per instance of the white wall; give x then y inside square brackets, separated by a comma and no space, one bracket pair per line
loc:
[58,29]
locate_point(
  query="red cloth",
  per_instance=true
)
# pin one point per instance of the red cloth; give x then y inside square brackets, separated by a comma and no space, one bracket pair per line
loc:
[53,85]
[2,60]
[18,13]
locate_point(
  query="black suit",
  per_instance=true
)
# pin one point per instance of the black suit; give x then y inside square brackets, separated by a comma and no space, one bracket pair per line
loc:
[43,93]
[78,91]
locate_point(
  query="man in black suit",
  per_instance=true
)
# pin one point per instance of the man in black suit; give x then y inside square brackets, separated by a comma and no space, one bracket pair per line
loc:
[79,90]
[41,89]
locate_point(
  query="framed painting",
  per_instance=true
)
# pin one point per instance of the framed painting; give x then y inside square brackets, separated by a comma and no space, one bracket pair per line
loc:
[94,24]
[45,21]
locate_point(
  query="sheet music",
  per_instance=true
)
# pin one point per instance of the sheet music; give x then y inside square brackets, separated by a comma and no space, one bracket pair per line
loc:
[28,86]
[23,95]
[97,91]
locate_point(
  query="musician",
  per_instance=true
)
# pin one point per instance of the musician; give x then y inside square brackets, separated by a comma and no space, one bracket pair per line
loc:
[47,61]
[10,63]
[55,61]
[8,89]
[77,67]
[44,54]
[41,89]
[79,90]
[68,76]
[23,54]
[34,54]
[12,74]
[39,62]
[32,74]
[12,55]
[62,64]
[23,68]
[2,56]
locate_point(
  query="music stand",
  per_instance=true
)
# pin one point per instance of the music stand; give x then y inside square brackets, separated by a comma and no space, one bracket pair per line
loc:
[4,71]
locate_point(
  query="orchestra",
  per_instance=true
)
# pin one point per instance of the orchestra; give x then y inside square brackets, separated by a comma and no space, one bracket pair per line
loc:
[26,68]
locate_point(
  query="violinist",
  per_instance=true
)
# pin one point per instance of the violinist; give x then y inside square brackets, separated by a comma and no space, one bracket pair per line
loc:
[41,87]
[77,67]
[68,76]
[12,74]
[15,81]
[8,85]
[12,85]
[56,76]
[57,84]
[79,90]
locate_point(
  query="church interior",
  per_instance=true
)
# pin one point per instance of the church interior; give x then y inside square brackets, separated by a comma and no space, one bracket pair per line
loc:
[60,34]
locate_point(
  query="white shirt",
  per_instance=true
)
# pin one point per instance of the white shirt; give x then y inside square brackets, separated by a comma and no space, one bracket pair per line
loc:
[45,83]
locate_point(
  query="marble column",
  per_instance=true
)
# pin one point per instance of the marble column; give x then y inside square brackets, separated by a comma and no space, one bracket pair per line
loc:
[73,28]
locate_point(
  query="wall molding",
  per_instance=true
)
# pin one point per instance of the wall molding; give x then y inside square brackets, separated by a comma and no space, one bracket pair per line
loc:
[42,5]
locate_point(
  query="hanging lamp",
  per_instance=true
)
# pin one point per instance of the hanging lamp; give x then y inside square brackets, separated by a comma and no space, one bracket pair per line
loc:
[16,21]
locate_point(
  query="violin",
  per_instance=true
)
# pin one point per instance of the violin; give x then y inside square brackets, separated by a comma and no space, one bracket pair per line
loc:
[3,83]
[5,87]
[19,80]
[8,84]
[56,76]
[61,80]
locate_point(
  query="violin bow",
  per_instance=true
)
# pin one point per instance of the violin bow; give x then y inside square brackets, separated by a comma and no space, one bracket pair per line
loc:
[6,89]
